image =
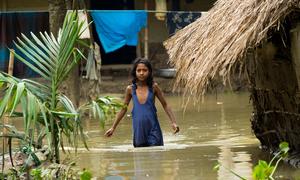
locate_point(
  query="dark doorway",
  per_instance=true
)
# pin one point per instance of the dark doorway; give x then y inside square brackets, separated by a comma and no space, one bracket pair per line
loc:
[112,4]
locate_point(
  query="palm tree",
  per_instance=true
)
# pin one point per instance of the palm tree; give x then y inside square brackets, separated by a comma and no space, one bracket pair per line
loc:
[46,112]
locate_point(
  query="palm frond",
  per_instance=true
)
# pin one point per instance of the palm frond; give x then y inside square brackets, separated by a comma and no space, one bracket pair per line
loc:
[25,94]
[19,92]
[38,89]
[31,65]
[102,108]
[50,57]
[70,121]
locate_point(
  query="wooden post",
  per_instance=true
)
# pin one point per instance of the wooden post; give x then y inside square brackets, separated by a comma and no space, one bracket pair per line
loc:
[295,51]
[11,62]
[146,34]
[138,47]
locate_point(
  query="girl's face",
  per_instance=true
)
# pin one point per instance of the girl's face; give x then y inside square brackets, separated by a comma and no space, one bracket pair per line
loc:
[142,72]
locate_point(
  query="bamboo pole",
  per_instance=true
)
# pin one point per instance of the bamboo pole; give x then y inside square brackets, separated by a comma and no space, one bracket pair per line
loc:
[146,34]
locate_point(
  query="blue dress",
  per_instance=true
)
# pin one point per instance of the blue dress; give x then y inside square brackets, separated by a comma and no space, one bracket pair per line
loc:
[146,128]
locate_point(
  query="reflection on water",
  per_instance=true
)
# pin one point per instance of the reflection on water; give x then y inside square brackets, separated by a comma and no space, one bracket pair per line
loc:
[238,162]
[218,132]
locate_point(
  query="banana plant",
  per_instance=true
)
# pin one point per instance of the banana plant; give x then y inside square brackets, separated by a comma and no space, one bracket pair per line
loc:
[47,113]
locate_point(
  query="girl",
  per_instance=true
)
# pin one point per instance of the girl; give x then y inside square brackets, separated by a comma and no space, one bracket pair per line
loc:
[146,129]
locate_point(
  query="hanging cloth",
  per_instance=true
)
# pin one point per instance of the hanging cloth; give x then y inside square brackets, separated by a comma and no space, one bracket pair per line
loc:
[160,6]
[178,20]
[118,28]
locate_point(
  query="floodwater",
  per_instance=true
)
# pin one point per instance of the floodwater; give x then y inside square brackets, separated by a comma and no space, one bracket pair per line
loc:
[217,131]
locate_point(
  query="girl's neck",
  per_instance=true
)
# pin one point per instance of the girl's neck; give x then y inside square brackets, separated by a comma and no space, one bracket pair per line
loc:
[141,83]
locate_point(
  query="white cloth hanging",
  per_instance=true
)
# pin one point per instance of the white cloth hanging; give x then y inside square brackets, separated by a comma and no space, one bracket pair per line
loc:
[82,17]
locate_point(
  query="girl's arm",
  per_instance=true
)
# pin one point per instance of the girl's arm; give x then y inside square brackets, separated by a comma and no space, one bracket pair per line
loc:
[166,107]
[121,114]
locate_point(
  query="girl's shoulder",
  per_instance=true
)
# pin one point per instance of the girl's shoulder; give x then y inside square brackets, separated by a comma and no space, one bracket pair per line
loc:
[155,87]
[129,88]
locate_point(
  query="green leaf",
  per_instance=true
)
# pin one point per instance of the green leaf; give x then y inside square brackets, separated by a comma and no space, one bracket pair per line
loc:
[63,114]
[52,42]
[67,104]
[99,113]
[262,164]
[34,57]
[19,93]
[31,66]
[269,170]
[45,49]
[85,175]
[36,52]
[52,50]
[43,109]
[284,147]
[262,170]
[5,100]
[216,167]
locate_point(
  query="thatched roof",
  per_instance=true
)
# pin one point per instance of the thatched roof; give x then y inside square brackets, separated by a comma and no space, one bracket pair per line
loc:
[216,43]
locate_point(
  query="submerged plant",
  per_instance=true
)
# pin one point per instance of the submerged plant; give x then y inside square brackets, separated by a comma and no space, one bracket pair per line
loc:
[85,175]
[47,113]
[264,170]
[68,171]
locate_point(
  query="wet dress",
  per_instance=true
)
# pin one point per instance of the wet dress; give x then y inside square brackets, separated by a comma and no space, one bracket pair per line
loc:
[146,128]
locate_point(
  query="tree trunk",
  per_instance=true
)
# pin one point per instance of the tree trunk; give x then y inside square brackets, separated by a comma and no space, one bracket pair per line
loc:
[57,11]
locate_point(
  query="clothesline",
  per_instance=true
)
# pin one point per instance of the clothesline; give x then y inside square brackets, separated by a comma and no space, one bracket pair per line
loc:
[114,30]
[149,11]
[110,11]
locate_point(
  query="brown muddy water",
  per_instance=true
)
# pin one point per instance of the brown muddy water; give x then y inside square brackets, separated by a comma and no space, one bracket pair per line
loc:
[217,131]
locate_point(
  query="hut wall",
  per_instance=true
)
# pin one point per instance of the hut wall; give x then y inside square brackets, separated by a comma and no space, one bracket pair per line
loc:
[273,89]
[19,5]
[295,49]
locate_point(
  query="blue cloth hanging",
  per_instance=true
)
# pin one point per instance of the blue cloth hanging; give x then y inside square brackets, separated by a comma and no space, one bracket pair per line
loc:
[118,28]
[4,56]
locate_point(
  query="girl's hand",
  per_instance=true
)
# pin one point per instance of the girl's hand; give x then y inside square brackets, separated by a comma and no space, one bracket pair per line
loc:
[175,128]
[109,132]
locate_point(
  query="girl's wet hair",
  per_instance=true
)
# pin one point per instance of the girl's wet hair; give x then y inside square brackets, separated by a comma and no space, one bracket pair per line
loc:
[147,63]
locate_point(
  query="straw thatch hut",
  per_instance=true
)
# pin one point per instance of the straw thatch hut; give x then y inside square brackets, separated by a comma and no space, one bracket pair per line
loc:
[258,37]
